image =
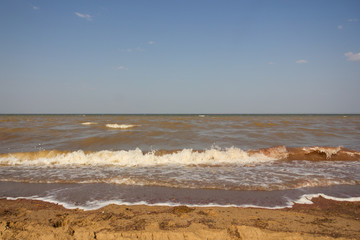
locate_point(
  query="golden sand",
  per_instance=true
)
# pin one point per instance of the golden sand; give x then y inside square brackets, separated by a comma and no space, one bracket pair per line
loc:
[325,219]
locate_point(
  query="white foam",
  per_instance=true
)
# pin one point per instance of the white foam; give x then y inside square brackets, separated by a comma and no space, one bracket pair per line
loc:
[315,182]
[328,151]
[306,198]
[132,158]
[126,181]
[89,123]
[97,204]
[120,126]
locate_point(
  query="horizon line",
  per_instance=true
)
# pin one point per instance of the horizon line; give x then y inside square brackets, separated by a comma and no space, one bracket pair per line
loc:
[179,113]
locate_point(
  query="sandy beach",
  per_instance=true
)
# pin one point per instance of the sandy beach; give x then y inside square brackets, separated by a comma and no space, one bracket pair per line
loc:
[325,219]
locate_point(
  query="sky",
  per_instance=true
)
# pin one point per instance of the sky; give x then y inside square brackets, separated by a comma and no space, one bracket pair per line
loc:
[172,56]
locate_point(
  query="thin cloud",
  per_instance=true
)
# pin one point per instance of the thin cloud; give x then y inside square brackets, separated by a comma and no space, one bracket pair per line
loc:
[340,26]
[85,16]
[36,8]
[301,61]
[122,68]
[353,20]
[352,57]
[129,50]
[141,48]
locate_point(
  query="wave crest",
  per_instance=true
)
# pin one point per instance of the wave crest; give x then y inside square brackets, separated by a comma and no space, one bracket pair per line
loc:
[89,123]
[209,157]
[135,157]
[120,126]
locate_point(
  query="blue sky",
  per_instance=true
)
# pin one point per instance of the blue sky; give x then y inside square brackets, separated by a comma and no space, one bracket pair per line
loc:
[179,56]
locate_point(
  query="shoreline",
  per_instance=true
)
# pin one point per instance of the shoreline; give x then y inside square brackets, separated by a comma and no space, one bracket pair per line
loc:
[324,219]
[88,196]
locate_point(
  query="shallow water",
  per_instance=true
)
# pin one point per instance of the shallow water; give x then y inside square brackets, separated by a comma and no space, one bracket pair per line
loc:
[262,160]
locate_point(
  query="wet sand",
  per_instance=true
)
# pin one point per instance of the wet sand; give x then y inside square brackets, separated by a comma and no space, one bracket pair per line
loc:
[325,219]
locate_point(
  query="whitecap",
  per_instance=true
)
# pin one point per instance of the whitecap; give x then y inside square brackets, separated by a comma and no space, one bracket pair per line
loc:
[89,123]
[120,126]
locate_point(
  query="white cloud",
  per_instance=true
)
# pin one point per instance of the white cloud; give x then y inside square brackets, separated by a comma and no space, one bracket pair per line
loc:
[353,20]
[36,8]
[271,63]
[151,42]
[353,57]
[122,68]
[86,16]
[340,26]
[301,61]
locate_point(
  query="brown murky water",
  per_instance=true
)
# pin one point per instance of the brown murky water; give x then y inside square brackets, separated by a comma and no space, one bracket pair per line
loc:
[181,158]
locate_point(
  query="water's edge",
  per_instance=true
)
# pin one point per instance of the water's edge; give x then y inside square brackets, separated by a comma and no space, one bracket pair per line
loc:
[74,196]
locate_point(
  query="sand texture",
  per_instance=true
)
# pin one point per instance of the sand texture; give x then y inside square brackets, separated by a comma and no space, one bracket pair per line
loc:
[325,219]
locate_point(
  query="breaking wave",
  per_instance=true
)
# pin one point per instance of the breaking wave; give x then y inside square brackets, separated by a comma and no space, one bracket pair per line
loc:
[209,157]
